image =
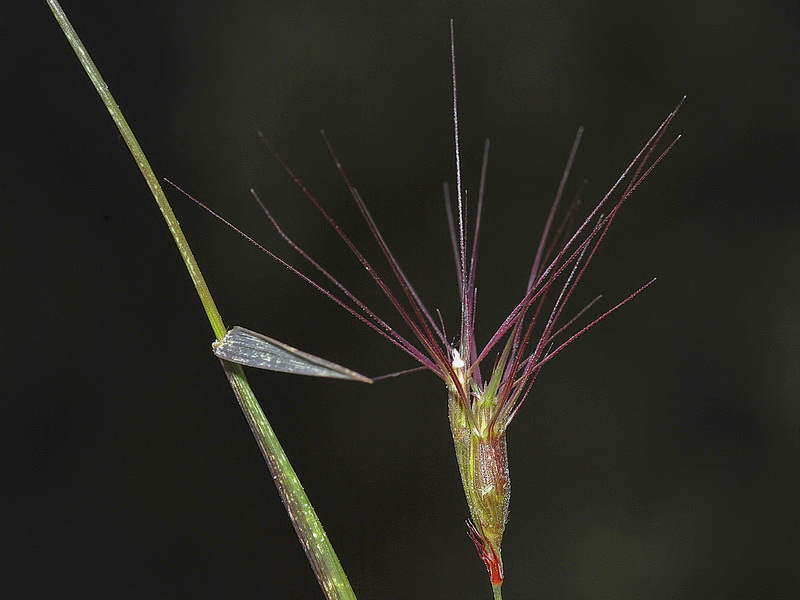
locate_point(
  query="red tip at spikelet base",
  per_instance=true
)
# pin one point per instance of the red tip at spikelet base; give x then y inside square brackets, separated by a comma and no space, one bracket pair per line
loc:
[493,562]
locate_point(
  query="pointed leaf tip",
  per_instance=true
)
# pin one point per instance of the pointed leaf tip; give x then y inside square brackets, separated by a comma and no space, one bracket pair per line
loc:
[245,347]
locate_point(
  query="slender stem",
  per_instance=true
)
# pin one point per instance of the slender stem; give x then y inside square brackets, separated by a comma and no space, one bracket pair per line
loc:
[315,542]
[144,166]
[320,553]
[496,593]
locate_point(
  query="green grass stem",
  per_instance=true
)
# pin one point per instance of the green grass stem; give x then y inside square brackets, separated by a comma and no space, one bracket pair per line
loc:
[144,166]
[312,535]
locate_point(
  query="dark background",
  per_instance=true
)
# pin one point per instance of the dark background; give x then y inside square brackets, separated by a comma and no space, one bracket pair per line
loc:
[657,458]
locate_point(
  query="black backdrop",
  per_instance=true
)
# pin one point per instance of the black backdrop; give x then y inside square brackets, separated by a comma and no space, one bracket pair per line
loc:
[657,458]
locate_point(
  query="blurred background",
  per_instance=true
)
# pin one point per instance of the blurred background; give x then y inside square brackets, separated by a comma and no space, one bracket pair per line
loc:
[658,457]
